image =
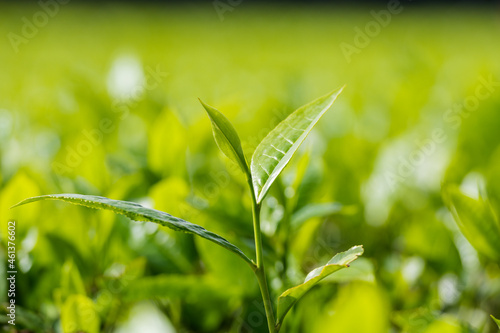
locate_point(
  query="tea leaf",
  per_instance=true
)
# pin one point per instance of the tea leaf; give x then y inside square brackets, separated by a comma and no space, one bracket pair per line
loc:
[292,295]
[137,212]
[476,221]
[497,321]
[278,147]
[226,137]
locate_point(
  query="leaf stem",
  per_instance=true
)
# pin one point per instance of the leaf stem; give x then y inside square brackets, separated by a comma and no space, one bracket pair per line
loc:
[260,272]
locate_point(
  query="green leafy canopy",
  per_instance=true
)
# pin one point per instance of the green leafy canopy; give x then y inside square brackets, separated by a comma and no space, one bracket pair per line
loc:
[269,159]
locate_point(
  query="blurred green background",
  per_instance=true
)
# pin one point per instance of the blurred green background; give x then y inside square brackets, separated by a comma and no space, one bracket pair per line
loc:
[103,100]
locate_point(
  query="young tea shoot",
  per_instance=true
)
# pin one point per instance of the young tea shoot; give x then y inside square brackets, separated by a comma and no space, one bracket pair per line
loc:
[269,159]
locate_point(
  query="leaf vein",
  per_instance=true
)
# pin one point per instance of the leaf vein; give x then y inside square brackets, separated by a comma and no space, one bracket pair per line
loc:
[267,172]
[296,129]
[287,140]
[279,150]
[273,157]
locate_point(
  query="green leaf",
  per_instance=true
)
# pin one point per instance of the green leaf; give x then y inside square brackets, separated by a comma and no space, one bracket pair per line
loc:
[360,270]
[496,321]
[137,212]
[278,147]
[476,221]
[292,295]
[226,137]
[78,314]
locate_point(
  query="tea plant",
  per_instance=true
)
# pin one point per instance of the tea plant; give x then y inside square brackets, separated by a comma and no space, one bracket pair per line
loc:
[269,159]
[478,222]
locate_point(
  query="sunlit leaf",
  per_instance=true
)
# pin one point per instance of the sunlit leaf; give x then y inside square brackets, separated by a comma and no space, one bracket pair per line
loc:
[292,295]
[78,314]
[476,220]
[137,212]
[278,147]
[226,137]
[360,270]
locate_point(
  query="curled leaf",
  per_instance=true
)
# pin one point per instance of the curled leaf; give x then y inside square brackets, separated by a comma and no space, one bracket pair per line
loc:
[293,295]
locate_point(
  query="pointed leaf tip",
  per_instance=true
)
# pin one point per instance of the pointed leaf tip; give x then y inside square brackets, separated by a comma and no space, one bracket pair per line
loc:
[226,137]
[497,321]
[275,151]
